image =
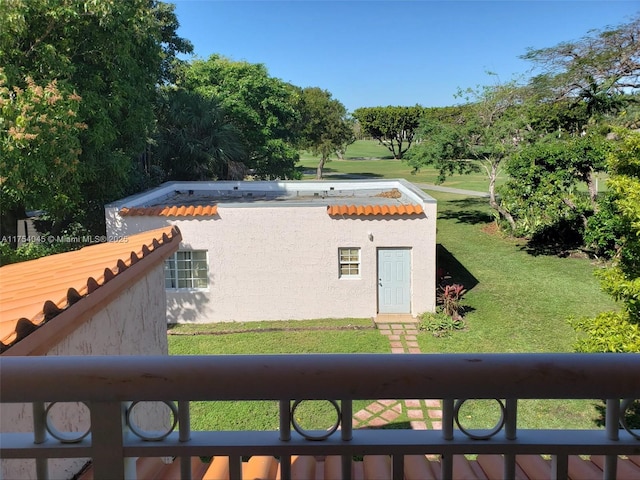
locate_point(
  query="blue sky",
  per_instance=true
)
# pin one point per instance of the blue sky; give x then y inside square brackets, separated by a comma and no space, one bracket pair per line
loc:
[376,53]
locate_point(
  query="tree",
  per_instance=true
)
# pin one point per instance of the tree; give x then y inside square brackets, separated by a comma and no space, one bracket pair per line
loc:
[39,141]
[112,54]
[620,331]
[194,141]
[325,129]
[393,127]
[262,108]
[542,191]
[486,133]
[598,69]
[585,85]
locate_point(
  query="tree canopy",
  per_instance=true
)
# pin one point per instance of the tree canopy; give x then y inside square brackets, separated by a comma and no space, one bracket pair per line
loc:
[193,140]
[325,129]
[486,132]
[393,127]
[106,58]
[262,108]
[620,331]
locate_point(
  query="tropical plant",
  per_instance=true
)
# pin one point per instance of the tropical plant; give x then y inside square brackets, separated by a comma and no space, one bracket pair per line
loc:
[449,298]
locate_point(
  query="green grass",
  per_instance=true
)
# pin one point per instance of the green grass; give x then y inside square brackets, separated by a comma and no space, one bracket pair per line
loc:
[301,336]
[367,159]
[517,302]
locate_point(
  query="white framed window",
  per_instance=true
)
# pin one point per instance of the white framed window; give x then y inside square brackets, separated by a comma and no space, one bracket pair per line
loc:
[186,270]
[349,260]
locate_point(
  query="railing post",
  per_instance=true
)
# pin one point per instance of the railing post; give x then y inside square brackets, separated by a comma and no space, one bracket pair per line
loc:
[346,433]
[184,435]
[285,436]
[235,467]
[612,424]
[510,433]
[346,420]
[397,466]
[446,462]
[40,436]
[107,441]
[285,420]
[559,467]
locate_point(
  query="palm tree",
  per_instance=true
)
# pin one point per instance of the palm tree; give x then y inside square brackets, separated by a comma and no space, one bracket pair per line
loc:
[194,140]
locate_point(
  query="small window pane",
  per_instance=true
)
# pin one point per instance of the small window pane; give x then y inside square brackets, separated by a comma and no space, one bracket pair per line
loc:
[187,269]
[349,259]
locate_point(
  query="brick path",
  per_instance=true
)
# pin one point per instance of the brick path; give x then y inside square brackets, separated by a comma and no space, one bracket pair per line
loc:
[422,414]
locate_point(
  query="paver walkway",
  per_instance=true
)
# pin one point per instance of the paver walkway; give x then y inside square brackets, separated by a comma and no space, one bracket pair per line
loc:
[422,414]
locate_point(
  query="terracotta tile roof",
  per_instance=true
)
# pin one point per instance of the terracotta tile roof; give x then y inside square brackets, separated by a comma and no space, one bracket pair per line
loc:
[36,291]
[171,211]
[379,467]
[412,209]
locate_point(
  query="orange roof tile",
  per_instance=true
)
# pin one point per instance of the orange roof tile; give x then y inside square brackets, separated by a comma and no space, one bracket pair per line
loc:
[171,211]
[412,209]
[34,292]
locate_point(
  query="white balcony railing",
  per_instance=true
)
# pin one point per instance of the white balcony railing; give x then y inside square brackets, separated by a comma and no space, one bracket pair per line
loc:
[108,385]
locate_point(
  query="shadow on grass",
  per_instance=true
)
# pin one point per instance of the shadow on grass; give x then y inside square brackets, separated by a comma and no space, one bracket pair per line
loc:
[389,426]
[453,270]
[351,176]
[467,210]
[559,240]
[385,157]
[631,415]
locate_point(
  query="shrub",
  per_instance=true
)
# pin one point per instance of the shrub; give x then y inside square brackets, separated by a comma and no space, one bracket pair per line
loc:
[440,324]
[449,298]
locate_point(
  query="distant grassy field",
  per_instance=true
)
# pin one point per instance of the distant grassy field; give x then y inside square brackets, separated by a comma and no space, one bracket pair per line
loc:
[369,159]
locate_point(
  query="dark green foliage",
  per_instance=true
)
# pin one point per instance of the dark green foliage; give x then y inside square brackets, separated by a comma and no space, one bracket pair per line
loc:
[543,194]
[325,129]
[109,56]
[440,324]
[263,109]
[605,228]
[620,331]
[194,141]
[394,127]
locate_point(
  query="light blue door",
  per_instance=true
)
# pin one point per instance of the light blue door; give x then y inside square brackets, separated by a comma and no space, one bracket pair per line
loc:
[394,280]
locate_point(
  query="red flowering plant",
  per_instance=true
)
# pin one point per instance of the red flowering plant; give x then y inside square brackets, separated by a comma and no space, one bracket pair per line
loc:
[450,297]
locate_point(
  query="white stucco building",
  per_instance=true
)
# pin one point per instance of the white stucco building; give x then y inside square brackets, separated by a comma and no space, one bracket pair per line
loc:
[290,250]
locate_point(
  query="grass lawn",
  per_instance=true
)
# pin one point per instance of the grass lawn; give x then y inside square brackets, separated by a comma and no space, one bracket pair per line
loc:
[517,302]
[368,159]
[308,336]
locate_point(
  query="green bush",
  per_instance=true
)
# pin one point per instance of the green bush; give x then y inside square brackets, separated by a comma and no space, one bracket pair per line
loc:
[440,324]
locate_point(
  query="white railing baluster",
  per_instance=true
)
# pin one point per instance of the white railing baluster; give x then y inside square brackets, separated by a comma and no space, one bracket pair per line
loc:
[184,435]
[40,436]
[107,441]
[446,460]
[612,425]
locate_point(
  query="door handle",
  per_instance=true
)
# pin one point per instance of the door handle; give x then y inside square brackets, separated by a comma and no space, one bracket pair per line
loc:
[380,282]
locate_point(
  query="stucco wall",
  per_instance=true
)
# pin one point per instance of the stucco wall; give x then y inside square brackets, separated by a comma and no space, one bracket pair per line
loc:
[281,262]
[132,324]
